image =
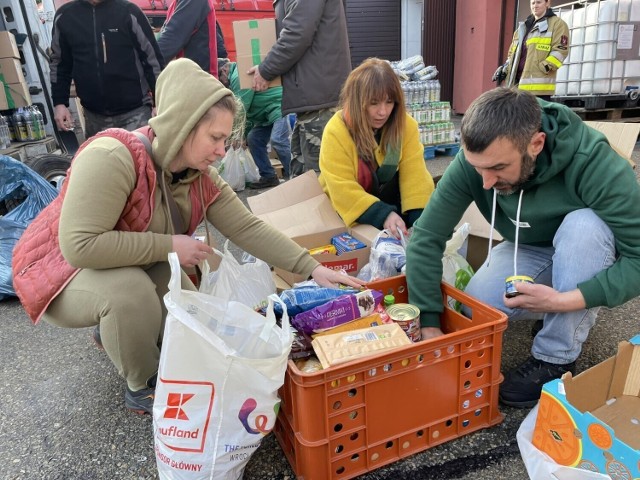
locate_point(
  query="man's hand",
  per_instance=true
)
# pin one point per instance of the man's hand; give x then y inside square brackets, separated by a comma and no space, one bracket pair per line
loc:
[63,118]
[543,299]
[499,75]
[259,83]
[430,332]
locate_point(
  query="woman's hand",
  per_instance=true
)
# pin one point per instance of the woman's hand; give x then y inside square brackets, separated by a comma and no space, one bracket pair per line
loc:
[325,277]
[394,224]
[190,251]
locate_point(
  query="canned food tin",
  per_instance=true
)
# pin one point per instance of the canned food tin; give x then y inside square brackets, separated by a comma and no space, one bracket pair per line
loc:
[510,287]
[408,317]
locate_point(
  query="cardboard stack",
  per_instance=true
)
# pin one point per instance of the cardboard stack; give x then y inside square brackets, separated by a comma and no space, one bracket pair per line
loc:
[15,91]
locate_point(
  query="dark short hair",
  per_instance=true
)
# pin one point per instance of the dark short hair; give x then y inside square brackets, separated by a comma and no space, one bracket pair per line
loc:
[503,112]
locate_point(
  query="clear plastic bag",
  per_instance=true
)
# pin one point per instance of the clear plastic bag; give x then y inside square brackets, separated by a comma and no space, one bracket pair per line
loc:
[456,270]
[251,173]
[231,169]
[249,283]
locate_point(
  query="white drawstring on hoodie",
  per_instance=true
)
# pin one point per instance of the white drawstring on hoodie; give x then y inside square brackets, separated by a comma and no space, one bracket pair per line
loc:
[493,221]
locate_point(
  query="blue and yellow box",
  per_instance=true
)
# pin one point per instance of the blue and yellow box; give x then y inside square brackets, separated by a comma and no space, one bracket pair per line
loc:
[592,421]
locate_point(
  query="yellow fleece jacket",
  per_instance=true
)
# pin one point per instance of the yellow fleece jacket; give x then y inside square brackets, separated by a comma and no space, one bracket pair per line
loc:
[339,171]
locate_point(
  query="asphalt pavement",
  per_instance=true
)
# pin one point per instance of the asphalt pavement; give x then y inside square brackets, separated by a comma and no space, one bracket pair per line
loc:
[62,414]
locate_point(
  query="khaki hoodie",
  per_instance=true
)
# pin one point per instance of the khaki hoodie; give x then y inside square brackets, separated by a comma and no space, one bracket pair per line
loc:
[104,177]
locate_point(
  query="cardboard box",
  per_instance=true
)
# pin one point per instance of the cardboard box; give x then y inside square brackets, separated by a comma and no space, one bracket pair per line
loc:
[254,39]
[592,420]
[302,211]
[8,45]
[14,95]
[621,136]
[11,71]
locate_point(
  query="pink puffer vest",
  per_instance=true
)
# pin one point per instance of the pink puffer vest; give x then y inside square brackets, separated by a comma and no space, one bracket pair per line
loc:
[40,272]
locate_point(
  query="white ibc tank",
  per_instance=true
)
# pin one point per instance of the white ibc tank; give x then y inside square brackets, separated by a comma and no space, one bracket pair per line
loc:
[600,72]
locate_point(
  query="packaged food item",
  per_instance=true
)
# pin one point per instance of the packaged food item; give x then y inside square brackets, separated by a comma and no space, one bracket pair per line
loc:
[301,346]
[323,249]
[309,365]
[372,320]
[301,299]
[407,316]
[338,348]
[346,243]
[381,309]
[338,311]
[392,247]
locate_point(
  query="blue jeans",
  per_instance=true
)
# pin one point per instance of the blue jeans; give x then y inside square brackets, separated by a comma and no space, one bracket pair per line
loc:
[582,247]
[257,140]
[281,142]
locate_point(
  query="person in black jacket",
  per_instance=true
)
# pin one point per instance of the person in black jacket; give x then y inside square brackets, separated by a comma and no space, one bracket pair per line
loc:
[108,49]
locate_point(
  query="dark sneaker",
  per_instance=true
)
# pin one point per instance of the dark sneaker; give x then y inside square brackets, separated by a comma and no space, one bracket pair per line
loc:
[141,401]
[265,182]
[95,335]
[536,327]
[522,385]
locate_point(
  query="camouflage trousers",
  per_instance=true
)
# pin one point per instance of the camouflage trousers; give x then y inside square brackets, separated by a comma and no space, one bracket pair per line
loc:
[305,140]
[136,118]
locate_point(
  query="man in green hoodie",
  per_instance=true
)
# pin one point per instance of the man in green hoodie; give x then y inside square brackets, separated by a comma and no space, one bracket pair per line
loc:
[567,206]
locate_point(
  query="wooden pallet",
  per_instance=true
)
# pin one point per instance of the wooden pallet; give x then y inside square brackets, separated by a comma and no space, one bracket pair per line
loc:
[449,150]
[597,102]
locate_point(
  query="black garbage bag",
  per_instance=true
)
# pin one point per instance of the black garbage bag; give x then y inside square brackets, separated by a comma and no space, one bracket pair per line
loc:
[23,194]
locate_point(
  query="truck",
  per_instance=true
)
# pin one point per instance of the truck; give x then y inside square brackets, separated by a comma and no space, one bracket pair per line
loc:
[31,22]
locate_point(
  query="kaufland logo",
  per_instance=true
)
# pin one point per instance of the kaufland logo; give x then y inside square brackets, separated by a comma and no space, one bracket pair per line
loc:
[186,410]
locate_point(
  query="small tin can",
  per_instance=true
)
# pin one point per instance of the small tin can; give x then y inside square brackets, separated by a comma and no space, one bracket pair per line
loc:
[510,284]
[408,317]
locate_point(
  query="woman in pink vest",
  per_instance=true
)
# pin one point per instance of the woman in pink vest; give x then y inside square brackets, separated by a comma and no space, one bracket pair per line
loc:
[97,255]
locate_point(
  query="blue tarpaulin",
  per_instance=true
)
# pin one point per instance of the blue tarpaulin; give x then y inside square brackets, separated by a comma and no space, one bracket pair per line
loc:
[23,194]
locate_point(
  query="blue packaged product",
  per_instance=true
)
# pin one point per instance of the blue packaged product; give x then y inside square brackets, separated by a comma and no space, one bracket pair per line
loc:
[301,299]
[346,243]
[337,311]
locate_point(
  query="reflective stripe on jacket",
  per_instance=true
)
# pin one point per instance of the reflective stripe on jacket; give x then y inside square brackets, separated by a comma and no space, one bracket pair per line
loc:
[547,46]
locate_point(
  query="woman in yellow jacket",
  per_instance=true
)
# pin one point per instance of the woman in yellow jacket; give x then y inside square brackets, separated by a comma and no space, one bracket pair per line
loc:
[540,45]
[371,160]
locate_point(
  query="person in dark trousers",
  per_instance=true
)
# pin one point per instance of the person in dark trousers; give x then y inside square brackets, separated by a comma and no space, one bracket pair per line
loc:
[566,204]
[312,56]
[191,31]
[108,49]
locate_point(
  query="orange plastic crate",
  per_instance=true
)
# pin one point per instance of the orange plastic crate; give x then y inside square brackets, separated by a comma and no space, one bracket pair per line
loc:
[353,418]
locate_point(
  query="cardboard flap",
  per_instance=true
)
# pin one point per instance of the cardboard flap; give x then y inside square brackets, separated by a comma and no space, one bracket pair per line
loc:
[580,390]
[297,208]
[626,375]
[622,136]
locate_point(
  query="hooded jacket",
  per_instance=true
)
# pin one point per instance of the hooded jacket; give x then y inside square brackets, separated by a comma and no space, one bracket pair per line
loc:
[576,169]
[311,54]
[110,53]
[547,46]
[105,182]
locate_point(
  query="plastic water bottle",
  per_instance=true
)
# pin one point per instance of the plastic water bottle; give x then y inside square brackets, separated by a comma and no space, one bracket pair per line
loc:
[28,122]
[437,89]
[19,126]
[5,137]
[40,122]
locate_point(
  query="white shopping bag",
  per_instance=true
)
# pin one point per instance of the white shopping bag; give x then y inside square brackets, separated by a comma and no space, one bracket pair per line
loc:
[249,282]
[216,395]
[231,169]
[541,466]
